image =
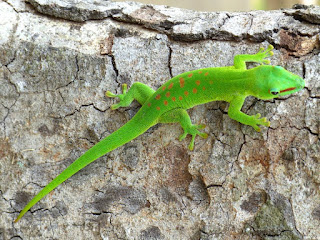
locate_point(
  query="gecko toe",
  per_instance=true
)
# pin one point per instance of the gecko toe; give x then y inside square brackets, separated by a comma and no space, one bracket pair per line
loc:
[110,94]
[258,129]
[203,135]
[115,106]
[183,136]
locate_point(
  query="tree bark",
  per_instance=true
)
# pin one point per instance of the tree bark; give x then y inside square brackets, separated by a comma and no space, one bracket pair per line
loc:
[57,59]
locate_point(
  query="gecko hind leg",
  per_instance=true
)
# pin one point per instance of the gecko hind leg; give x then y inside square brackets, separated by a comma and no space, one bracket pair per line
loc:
[138,91]
[180,115]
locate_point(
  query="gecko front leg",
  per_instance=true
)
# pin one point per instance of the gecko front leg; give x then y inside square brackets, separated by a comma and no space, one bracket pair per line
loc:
[235,113]
[259,57]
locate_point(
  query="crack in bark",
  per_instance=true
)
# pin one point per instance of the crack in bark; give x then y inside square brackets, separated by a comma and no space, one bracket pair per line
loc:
[115,69]
[98,213]
[304,70]
[77,110]
[87,139]
[77,67]
[169,61]
[307,129]
[215,185]
[10,61]
[39,210]
[35,183]
[4,121]
[15,237]
[11,6]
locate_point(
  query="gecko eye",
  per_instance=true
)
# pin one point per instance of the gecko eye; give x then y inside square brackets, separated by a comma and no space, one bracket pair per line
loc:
[274,91]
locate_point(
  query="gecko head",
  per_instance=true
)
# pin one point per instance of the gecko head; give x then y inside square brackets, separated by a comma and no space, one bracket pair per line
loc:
[275,81]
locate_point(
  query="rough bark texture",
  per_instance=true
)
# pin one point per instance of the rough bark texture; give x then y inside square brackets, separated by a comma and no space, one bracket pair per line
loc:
[58,57]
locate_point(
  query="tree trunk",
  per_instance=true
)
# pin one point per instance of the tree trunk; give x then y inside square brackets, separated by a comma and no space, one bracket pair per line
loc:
[57,59]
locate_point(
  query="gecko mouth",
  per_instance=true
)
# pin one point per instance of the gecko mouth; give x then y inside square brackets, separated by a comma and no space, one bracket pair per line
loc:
[287,90]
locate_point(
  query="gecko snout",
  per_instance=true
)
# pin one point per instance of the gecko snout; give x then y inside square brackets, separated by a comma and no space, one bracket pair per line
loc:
[300,83]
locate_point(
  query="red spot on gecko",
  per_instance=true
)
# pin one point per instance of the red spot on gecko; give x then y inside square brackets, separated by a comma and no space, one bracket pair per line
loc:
[211,82]
[168,94]
[194,90]
[170,86]
[174,99]
[186,93]
[200,72]
[181,82]
[190,75]
[204,88]
[165,102]
[149,104]
[198,82]
[180,98]
[164,88]
[158,108]
[206,74]
[158,97]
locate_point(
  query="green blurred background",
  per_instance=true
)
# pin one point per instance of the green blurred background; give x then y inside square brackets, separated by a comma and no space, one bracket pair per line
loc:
[229,5]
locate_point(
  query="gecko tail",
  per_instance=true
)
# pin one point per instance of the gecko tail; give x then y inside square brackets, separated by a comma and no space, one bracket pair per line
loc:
[132,129]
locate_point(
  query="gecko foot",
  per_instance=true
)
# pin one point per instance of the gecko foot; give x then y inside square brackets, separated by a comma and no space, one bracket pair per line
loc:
[259,121]
[120,96]
[262,54]
[194,131]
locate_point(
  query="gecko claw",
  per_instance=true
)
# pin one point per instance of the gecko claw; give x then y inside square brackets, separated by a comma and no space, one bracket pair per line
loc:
[256,120]
[120,96]
[115,106]
[257,129]
[124,92]
[263,54]
[193,130]
[110,94]
[183,136]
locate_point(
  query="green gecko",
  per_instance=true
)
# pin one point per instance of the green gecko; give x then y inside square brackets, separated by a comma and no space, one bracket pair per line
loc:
[169,103]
